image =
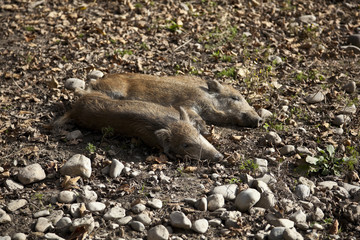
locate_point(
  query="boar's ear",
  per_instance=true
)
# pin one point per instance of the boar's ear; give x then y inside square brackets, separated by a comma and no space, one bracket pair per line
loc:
[214,86]
[184,115]
[164,135]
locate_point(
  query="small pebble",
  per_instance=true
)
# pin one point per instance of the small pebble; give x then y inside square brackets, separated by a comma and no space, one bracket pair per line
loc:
[116,168]
[158,232]
[77,165]
[287,150]
[302,191]
[74,135]
[123,221]
[200,226]
[155,203]
[12,185]
[246,199]
[14,205]
[67,196]
[4,217]
[53,236]
[31,173]
[179,220]
[137,226]
[138,208]
[215,201]
[273,138]
[95,206]
[115,213]
[19,236]
[42,224]
[143,218]
[95,74]
[315,98]
[307,18]
[276,233]
[42,213]
[201,204]
[74,83]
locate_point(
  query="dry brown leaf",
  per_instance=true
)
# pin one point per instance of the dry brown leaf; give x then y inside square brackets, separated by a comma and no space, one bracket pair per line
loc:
[334,228]
[189,169]
[155,167]
[70,183]
[126,188]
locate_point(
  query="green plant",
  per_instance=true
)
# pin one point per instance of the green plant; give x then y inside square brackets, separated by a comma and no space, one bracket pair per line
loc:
[39,197]
[248,165]
[91,148]
[228,72]
[107,132]
[174,26]
[234,180]
[29,28]
[80,35]
[327,163]
[123,52]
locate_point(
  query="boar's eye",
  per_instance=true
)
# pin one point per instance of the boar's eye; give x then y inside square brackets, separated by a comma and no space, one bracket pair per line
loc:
[186,145]
[236,98]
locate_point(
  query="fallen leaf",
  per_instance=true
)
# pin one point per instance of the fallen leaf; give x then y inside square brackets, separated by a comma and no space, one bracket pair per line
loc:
[70,183]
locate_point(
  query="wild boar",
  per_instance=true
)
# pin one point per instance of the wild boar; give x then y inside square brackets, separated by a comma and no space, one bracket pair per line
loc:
[155,124]
[211,101]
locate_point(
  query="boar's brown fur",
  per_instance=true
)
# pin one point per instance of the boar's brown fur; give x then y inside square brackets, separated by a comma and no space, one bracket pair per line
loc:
[211,101]
[155,124]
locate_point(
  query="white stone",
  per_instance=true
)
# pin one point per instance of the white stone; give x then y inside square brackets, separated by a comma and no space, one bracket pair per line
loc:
[201,204]
[315,98]
[179,220]
[125,220]
[75,209]
[67,196]
[298,217]
[137,226]
[155,203]
[95,74]
[158,232]
[42,224]
[287,150]
[4,217]
[143,218]
[273,138]
[292,234]
[308,183]
[19,236]
[14,205]
[228,191]
[31,173]
[87,222]
[74,83]
[77,165]
[138,208]
[267,200]
[53,236]
[247,199]
[215,201]
[12,185]
[302,191]
[200,226]
[276,233]
[42,213]
[95,206]
[327,185]
[264,114]
[115,213]
[74,135]
[262,164]
[318,214]
[116,168]
[307,18]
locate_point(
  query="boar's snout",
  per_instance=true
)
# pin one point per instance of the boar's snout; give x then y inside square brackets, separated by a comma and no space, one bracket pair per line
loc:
[218,157]
[250,119]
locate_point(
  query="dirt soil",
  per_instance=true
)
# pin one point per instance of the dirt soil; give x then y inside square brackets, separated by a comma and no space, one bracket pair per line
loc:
[43,43]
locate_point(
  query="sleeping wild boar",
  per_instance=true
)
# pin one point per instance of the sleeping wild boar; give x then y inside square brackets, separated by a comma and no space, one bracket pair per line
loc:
[211,101]
[155,124]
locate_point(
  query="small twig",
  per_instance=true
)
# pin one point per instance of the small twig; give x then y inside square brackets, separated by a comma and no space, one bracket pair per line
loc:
[182,45]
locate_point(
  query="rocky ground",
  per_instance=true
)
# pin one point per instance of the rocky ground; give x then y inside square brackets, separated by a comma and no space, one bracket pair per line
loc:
[295,177]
